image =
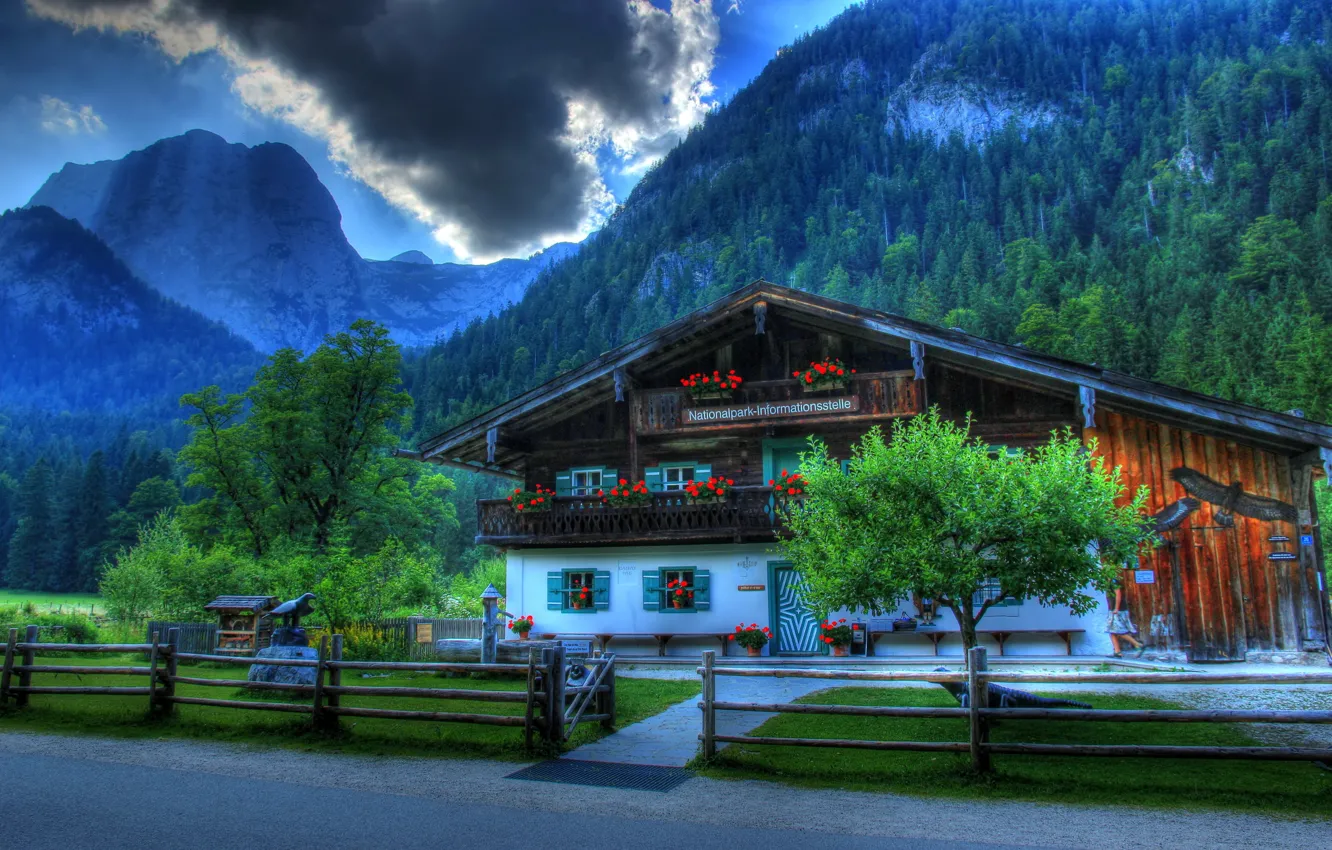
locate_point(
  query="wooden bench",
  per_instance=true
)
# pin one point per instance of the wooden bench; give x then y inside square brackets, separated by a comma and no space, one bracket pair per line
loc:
[1001,636]
[662,638]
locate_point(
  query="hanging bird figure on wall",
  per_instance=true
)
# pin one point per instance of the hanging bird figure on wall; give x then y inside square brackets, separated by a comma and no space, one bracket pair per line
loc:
[1172,515]
[1232,499]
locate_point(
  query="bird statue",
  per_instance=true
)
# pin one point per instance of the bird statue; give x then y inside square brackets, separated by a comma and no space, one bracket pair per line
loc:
[293,610]
[1232,499]
[1172,515]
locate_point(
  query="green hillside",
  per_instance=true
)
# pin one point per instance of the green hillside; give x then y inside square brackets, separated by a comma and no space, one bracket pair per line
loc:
[1144,186]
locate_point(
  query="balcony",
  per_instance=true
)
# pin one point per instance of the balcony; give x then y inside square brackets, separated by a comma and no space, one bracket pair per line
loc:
[870,396]
[746,515]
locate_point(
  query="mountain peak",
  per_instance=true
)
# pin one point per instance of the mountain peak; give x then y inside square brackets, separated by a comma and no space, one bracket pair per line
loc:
[412,257]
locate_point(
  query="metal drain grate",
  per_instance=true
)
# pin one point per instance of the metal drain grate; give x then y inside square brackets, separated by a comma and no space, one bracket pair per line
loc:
[604,774]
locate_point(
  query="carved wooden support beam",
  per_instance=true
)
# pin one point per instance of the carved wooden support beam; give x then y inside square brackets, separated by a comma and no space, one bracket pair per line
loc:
[623,381]
[760,317]
[1325,455]
[1087,400]
[492,441]
[918,359]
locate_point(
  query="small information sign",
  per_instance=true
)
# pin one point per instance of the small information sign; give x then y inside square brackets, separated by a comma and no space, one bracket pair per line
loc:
[425,633]
[752,587]
[576,647]
[1306,539]
[1144,576]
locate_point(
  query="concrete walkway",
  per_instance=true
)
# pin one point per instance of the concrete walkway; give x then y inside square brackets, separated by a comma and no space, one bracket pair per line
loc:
[670,738]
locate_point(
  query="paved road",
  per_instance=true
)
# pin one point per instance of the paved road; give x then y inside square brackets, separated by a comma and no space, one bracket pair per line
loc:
[70,803]
[81,792]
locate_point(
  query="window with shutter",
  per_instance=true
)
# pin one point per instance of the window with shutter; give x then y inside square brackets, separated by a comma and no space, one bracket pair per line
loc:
[575,590]
[681,590]
[601,590]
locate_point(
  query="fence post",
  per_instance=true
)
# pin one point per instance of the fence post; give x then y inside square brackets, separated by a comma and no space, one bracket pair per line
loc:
[709,696]
[153,704]
[528,714]
[317,712]
[334,700]
[555,697]
[8,668]
[607,705]
[169,688]
[978,697]
[29,658]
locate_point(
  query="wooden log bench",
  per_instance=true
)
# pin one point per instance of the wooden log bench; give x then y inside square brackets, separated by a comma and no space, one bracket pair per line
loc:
[1001,636]
[662,638]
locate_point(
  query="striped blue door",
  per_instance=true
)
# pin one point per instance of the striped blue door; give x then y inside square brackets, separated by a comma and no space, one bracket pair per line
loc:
[797,629]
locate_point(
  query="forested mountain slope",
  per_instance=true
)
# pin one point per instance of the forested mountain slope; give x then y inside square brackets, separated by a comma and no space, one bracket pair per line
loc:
[1144,186]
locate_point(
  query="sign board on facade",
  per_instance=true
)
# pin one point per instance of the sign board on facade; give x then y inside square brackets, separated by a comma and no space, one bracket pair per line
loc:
[576,647]
[1306,539]
[1144,576]
[425,633]
[752,587]
[793,409]
[1282,556]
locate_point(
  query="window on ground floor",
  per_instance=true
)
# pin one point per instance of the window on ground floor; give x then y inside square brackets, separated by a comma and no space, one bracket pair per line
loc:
[578,590]
[677,590]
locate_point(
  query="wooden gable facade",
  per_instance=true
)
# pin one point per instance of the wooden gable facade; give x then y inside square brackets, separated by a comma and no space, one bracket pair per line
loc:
[1223,584]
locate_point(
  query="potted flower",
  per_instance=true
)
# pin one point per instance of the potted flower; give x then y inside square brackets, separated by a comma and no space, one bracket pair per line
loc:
[580,598]
[837,634]
[529,501]
[712,490]
[788,484]
[521,626]
[680,593]
[702,385]
[752,637]
[626,495]
[824,375]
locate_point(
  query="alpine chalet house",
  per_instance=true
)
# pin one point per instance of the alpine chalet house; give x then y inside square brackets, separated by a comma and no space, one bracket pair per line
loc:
[1238,573]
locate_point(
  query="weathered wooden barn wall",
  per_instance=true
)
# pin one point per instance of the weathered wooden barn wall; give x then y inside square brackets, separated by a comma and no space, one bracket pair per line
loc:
[1232,598]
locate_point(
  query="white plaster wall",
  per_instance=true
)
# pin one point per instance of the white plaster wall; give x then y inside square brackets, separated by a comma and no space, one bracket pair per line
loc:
[731,565]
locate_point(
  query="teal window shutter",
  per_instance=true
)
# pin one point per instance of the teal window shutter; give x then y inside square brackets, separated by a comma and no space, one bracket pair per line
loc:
[651,590]
[702,471]
[610,478]
[702,590]
[554,591]
[652,475]
[601,590]
[846,467]
[564,482]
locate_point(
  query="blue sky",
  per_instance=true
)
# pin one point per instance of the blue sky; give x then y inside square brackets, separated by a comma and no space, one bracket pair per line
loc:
[88,95]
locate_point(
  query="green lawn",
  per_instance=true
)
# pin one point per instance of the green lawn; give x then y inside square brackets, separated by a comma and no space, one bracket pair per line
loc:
[1290,788]
[66,603]
[126,716]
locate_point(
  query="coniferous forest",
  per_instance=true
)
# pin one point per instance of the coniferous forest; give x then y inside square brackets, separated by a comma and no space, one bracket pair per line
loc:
[1144,186]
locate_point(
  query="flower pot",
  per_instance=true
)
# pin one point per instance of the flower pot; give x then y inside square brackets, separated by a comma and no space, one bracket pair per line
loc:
[521,635]
[677,602]
[707,395]
[821,386]
[754,651]
[839,651]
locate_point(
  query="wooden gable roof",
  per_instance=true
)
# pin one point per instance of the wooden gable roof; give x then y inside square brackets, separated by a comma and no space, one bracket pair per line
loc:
[592,383]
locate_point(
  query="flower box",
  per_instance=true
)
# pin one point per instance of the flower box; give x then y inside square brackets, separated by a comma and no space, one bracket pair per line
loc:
[714,490]
[531,501]
[824,375]
[702,386]
[626,495]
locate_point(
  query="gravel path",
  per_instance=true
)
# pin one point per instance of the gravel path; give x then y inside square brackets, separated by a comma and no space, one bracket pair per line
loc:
[746,804]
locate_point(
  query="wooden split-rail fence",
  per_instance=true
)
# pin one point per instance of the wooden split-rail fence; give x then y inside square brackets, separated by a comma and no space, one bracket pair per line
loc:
[977,679]
[552,707]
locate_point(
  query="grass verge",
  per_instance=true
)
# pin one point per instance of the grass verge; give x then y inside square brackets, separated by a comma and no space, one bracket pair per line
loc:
[126,717]
[67,603]
[1288,788]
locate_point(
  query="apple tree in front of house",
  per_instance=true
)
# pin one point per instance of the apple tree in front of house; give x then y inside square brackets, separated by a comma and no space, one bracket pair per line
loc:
[932,510]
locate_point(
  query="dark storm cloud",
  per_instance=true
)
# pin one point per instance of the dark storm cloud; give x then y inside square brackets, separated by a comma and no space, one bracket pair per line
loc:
[463,103]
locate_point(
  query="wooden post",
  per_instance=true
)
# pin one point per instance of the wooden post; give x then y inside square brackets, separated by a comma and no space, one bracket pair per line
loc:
[8,670]
[978,697]
[530,710]
[169,689]
[334,700]
[317,712]
[29,658]
[153,704]
[709,697]
[607,706]
[555,697]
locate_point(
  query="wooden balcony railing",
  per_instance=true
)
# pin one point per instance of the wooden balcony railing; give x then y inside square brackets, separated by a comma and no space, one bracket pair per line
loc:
[747,514]
[870,396]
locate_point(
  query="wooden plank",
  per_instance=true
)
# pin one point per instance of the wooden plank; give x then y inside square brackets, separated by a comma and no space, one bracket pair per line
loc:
[290,708]
[850,675]
[242,683]
[427,693]
[1159,716]
[248,661]
[32,644]
[850,710]
[905,746]
[24,690]
[425,666]
[437,716]
[1313,677]
[1134,751]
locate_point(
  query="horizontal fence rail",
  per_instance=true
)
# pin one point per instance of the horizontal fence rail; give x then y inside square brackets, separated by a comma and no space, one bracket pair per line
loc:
[550,710]
[979,715]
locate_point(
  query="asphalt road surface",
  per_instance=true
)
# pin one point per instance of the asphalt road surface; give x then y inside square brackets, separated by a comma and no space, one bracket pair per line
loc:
[67,803]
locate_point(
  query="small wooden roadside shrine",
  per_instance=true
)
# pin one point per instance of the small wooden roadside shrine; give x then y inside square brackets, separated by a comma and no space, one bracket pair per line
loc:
[244,623]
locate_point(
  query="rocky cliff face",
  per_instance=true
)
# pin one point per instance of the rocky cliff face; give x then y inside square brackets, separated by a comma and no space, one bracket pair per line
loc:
[250,237]
[78,331]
